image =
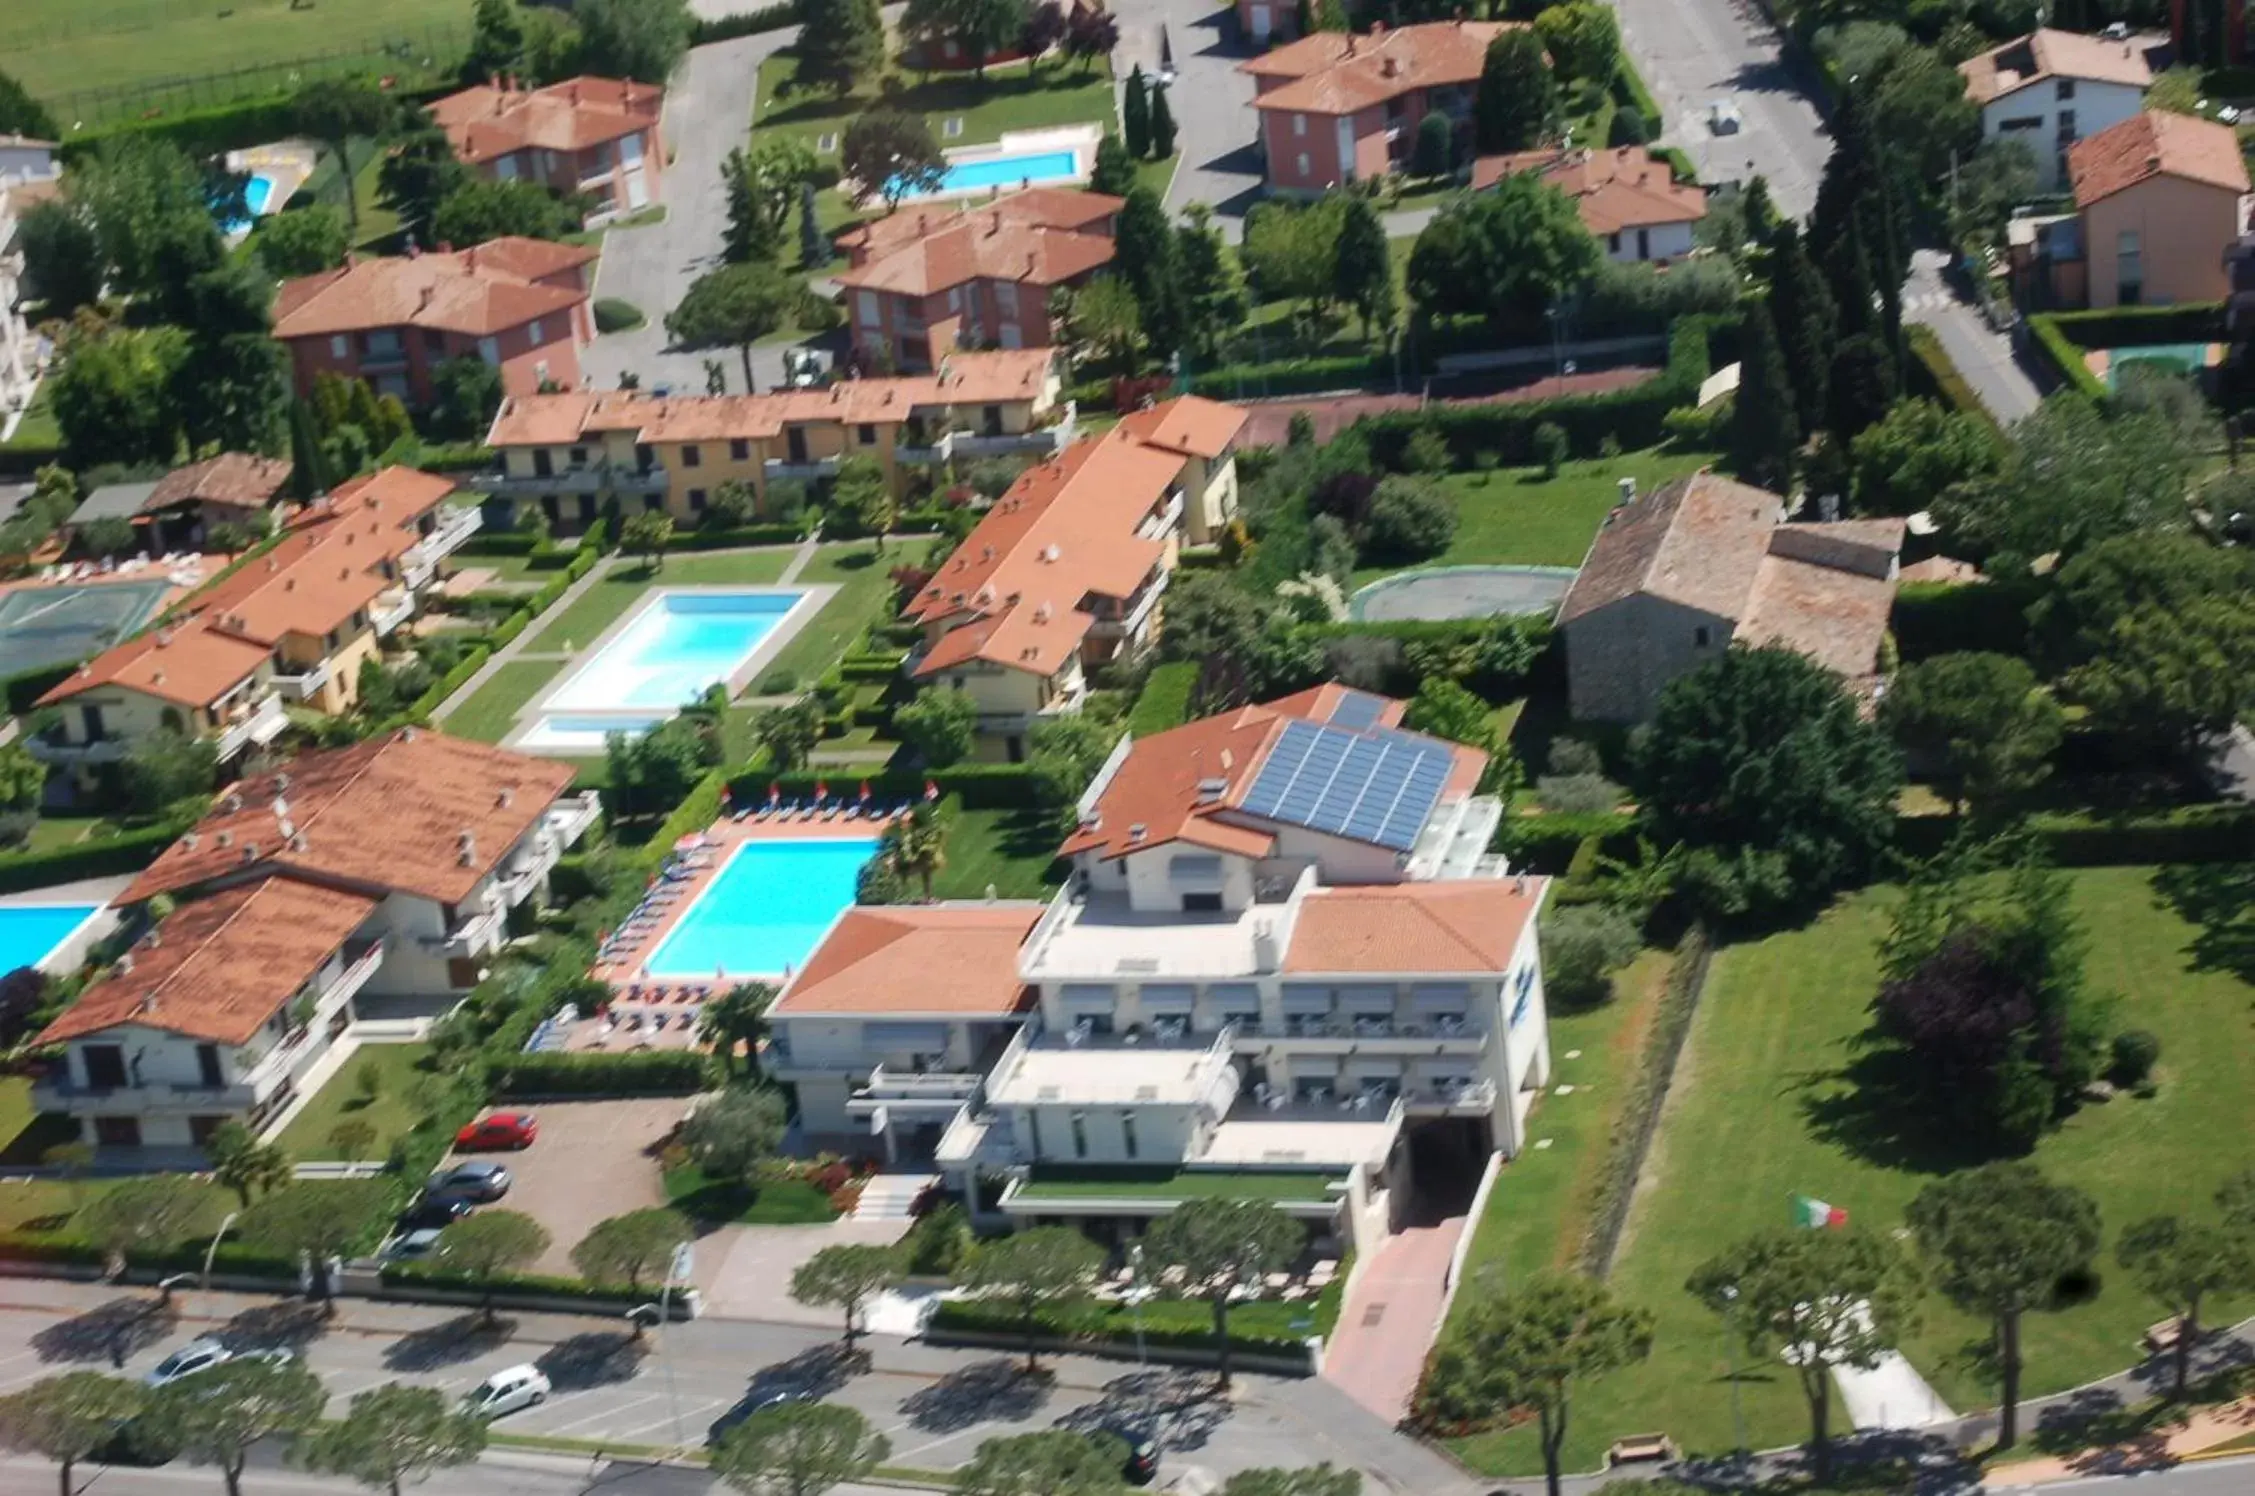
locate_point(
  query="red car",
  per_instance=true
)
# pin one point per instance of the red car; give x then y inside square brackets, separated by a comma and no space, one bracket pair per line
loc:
[501,1130]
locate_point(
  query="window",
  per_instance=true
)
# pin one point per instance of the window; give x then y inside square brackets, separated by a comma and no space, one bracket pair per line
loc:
[117,1132]
[866,434]
[2066,89]
[207,1066]
[1080,1135]
[1201,903]
[536,332]
[543,466]
[2129,272]
[696,500]
[865,303]
[105,1066]
[579,457]
[2067,124]
[381,344]
[1613,243]
[739,449]
[691,456]
[200,1129]
[1006,298]
[489,349]
[1299,124]
[1302,163]
[1127,1134]
[339,345]
[1699,637]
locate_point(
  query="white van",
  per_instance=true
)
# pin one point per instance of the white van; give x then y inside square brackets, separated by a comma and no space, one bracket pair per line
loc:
[508,1391]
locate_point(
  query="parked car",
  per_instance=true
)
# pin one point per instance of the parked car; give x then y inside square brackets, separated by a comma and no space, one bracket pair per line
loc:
[501,1130]
[1142,1466]
[434,1214]
[508,1391]
[197,1355]
[1723,117]
[410,1246]
[481,1180]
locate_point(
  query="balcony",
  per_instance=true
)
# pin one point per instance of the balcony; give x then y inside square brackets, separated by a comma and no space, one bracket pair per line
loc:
[598,479]
[931,454]
[305,685]
[1369,1030]
[475,936]
[262,724]
[389,613]
[1468,1099]
[1045,441]
[929,1095]
[1159,526]
[1138,612]
[455,525]
[800,471]
[49,748]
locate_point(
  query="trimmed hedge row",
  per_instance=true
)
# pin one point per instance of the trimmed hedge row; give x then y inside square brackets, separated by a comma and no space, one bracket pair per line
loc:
[2065,358]
[2136,326]
[128,852]
[1291,376]
[697,810]
[1933,618]
[970,1316]
[1165,701]
[744,23]
[2222,832]
[982,786]
[1550,844]
[411,1275]
[589,551]
[723,540]
[675,1072]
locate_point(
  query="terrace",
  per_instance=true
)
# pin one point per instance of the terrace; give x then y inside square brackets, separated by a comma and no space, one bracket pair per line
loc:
[1049,1187]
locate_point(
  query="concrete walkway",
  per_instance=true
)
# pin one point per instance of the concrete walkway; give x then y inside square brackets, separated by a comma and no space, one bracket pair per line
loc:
[515,648]
[2194,1436]
[800,558]
[1390,1318]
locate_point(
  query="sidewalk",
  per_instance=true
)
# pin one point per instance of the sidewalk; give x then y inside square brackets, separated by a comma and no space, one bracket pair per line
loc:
[1386,1325]
[2204,1431]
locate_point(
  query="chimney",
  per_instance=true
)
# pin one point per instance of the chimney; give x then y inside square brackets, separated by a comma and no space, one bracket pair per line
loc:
[124,964]
[508,796]
[466,847]
[1628,492]
[1389,65]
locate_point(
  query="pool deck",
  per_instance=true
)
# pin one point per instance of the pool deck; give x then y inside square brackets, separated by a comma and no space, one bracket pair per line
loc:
[70,952]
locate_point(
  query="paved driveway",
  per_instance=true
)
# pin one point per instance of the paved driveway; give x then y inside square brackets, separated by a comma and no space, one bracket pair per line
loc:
[1982,354]
[744,1272]
[593,1161]
[1212,102]
[1390,1319]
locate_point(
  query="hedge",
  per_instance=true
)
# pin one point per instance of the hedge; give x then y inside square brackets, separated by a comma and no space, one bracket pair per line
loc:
[24,690]
[1288,376]
[1933,618]
[2141,326]
[199,132]
[722,540]
[411,1275]
[743,23]
[673,1072]
[2222,832]
[2066,359]
[697,810]
[982,786]
[1550,844]
[1160,1328]
[128,852]
[1934,375]
[1165,701]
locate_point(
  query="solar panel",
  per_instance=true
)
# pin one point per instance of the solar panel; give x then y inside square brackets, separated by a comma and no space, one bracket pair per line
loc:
[1356,709]
[1377,786]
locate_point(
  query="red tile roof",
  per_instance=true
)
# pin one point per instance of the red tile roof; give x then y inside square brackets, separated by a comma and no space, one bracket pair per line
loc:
[1621,188]
[475,292]
[983,248]
[2157,143]
[1461,927]
[414,812]
[218,968]
[232,478]
[2045,53]
[1190,424]
[1332,72]
[910,958]
[489,121]
[1046,207]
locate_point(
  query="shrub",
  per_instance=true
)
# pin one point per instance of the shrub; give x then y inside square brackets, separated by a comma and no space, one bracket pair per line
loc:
[779,682]
[614,315]
[2136,1052]
[1550,447]
[1410,520]
[936,1244]
[1577,794]
[1628,128]
[666,1072]
[1165,701]
[1426,451]
[815,312]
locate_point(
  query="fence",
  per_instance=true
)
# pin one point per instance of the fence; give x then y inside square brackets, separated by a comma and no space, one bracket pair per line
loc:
[432,50]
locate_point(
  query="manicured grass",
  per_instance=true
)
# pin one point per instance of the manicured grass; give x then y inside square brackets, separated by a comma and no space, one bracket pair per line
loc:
[1169,1184]
[618,589]
[1006,99]
[37,429]
[54,831]
[395,1109]
[864,588]
[507,568]
[492,712]
[1762,1110]
[45,1206]
[1012,851]
[1516,517]
[793,1202]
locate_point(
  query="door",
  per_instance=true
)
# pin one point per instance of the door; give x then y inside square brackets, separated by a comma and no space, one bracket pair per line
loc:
[117,1132]
[92,717]
[1263,23]
[207,1064]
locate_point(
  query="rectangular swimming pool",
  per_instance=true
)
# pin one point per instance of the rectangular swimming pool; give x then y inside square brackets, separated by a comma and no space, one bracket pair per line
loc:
[1034,167]
[29,933]
[678,644]
[766,911]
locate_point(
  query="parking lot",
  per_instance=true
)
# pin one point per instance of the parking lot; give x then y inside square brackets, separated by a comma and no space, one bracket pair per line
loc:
[592,1160]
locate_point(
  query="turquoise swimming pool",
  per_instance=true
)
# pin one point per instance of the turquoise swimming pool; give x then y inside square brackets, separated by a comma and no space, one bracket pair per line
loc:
[1034,167]
[257,193]
[29,933]
[766,911]
[673,649]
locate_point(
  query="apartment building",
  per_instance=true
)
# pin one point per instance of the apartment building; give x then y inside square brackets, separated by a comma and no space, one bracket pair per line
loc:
[1067,569]
[1283,950]
[30,173]
[1337,108]
[597,137]
[567,453]
[518,304]
[1629,200]
[292,624]
[384,869]
[2050,88]
[925,282]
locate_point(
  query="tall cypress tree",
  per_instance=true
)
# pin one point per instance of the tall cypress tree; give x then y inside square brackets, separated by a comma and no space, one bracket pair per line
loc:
[1807,323]
[1144,256]
[1162,126]
[1135,115]
[1365,266]
[1862,386]
[1847,273]
[1765,433]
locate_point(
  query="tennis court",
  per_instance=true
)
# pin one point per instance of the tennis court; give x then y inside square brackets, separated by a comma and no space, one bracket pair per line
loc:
[46,626]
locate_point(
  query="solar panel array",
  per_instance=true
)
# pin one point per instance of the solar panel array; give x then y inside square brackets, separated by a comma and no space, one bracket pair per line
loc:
[1356,709]
[1377,787]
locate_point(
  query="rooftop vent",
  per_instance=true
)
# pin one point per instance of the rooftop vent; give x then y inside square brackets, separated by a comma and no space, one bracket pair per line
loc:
[1138,831]
[1041,613]
[466,847]
[1050,552]
[125,963]
[281,781]
[298,842]
[190,840]
[1212,789]
[250,853]
[233,802]
[227,838]
[1628,492]
[508,796]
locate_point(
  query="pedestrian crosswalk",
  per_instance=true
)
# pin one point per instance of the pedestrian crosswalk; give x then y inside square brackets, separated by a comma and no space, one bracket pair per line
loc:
[1918,301]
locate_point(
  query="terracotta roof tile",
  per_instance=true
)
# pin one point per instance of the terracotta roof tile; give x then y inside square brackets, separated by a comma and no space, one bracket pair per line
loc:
[1189,424]
[1336,73]
[1468,927]
[476,292]
[488,121]
[910,958]
[2156,143]
[983,248]
[1049,207]
[1621,188]
[390,813]
[2046,53]
[233,478]
[218,968]
[1697,541]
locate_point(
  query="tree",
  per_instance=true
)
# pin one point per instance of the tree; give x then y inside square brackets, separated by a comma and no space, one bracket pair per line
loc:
[21,114]
[1162,123]
[624,1248]
[737,1018]
[861,498]
[844,1277]
[653,770]
[334,111]
[304,241]
[1505,255]
[497,41]
[1213,288]
[166,767]
[1107,322]
[1221,1246]
[2171,679]
[647,535]
[232,388]
[1905,461]
[1144,257]
[916,845]
[418,174]
[1517,98]
[215,1416]
[1032,1270]
[2179,1263]
[789,733]
[1364,266]
[111,535]
[1839,1297]
[1583,40]
[980,27]
[2123,575]
[1091,33]
[485,1245]
[1997,1241]
[638,39]
[2072,476]
[323,1218]
[1063,754]
[1765,436]
[940,725]
[1135,114]
[62,256]
[1802,315]
[465,397]
[113,393]
[1918,106]
[762,186]
[66,1418]
[1054,1462]
[1859,386]
[734,306]
[1582,945]
[1291,250]
[1411,519]
[1529,1348]
[799,1448]
[892,155]
[1114,171]
[1045,28]
[352,1139]
[1435,153]
[477,211]
[243,1164]
[393,1436]
[1761,764]
[840,43]
[1980,721]
[730,1135]
[151,209]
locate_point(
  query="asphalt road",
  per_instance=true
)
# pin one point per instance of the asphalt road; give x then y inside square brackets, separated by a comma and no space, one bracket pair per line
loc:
[1983,355]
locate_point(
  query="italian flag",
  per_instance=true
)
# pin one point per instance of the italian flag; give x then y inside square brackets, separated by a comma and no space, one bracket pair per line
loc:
[1817,1214]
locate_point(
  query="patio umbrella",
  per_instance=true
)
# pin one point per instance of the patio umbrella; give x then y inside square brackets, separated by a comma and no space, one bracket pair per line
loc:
[865,792]
[821,790]
[690,843]
[931,790]
[774,795]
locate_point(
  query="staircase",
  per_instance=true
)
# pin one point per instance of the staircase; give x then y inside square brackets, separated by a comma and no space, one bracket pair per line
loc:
[889,1196]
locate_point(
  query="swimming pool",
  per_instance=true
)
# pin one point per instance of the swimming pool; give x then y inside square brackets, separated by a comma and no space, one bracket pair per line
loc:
[257,193]
[1006,171]
[668,652]
[766,911]
[29,933]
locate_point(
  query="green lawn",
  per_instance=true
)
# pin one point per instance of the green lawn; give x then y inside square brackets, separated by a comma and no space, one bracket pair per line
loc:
[1773,1035]
[1516,517]
[45,1206]
[396,1107]
[37,429]
[864,588]
[1167,1184]
[26,1135]
[1011,850]
[54,831]
[1007,99]
[618,589]
[492,712]
[507,568]
[793,1202]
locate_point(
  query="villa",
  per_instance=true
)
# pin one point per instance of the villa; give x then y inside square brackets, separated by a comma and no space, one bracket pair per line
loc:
[1675,578]
[925,282]
[568,452]
[597,137]
[180,510]
[1067,569]
[2051,88]
[387,869]
[1629,200]
[30,173]
[293,624]
[1338,108]
[518,304]
[1284,952]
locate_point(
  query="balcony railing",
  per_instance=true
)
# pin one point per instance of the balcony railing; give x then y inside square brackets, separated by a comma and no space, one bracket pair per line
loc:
[474,936]
[812,467]
[50,748]
[1475,1096]
[940,450]
[262,724]
[597,479]
[927,1084]
[387,616]
[455,526]
[305,685]
[1138,611]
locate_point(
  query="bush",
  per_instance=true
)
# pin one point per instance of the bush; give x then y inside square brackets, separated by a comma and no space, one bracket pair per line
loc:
[1165,701]
[2136,1052]
[1410,520]
[814,312]
[1628,127]
[666,1072]
[779,682]
[614,315]
[937,1244]
[1550,447]
[127,852]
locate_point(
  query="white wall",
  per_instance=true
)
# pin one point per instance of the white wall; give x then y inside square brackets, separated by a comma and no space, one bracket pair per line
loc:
[2031,115]
[1163,1134]
[1659,241]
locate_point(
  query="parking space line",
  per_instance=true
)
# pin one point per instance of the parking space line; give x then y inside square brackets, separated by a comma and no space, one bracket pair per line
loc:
[562,1400]
[606,1414]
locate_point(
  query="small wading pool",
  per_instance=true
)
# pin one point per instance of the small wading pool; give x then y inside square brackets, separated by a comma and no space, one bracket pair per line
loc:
[29,933]
[1036,167]
[257,193]
[678,644]
[767,909]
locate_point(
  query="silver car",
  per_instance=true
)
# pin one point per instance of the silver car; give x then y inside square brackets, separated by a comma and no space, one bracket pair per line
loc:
[507,1391]
[197,1355]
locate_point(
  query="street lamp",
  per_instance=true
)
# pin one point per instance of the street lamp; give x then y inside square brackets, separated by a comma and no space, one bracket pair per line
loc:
[1137,1293]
